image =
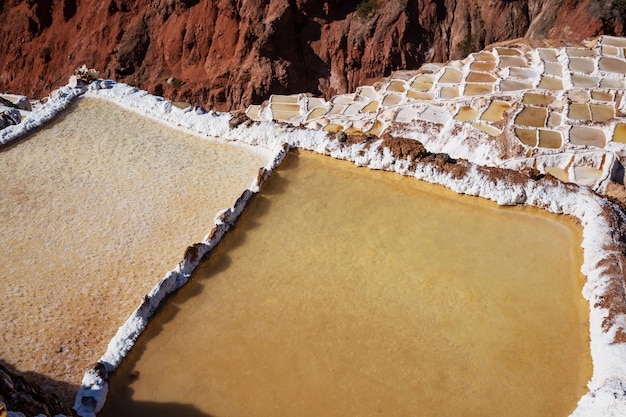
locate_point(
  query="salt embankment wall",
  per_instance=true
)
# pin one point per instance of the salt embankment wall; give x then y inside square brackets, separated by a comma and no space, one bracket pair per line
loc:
[603,227]
[58,101]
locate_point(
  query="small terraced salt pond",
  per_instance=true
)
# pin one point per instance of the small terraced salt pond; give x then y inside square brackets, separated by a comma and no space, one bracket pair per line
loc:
[344,291]
[95,209]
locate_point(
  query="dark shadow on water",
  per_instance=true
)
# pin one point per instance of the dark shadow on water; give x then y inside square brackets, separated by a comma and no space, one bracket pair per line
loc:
[152,409]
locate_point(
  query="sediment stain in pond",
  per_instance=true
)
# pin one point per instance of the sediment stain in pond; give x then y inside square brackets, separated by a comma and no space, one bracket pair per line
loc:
[95,209]
[344,291]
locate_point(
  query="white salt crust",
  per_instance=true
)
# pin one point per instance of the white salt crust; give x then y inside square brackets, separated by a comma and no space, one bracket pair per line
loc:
[607,387]
[59,100]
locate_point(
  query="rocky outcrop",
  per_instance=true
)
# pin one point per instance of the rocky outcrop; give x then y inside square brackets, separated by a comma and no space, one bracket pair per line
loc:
[19,395]
[225,54]
[9,116]
[15,101]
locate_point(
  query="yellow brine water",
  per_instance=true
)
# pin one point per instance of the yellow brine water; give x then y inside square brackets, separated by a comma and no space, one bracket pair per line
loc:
[349,292]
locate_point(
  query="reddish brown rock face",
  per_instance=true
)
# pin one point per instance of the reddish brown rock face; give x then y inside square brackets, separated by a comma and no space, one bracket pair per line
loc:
[227,54]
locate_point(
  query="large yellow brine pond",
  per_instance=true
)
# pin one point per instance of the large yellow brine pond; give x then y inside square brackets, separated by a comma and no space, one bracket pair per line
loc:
[349,292]
[95,209]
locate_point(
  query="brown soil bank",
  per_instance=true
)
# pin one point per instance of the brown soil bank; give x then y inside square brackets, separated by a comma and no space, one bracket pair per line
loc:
[226,55]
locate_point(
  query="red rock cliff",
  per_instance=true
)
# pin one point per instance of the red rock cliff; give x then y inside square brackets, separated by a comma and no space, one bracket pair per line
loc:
[226,54]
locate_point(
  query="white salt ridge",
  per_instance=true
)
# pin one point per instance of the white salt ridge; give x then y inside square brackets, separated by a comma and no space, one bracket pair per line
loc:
[58,101]
[211,124]
[607,387]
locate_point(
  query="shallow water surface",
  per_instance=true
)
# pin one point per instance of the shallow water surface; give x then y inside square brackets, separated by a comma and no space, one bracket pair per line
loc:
[95,209]
[344,291]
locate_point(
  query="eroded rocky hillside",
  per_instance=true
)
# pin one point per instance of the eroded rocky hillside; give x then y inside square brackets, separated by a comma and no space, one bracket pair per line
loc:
[227,54]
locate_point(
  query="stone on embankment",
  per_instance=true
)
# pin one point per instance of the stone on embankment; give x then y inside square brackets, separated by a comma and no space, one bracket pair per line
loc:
[9,116]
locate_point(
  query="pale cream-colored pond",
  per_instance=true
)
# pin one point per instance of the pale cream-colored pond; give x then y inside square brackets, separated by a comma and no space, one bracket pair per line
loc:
[94,210]
[344,291]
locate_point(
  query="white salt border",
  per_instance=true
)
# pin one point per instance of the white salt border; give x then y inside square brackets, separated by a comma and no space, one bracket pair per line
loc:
[607,387]
[58,101]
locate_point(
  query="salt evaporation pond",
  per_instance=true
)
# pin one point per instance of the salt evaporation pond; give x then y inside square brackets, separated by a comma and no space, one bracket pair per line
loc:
[95,209]
[344,291]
